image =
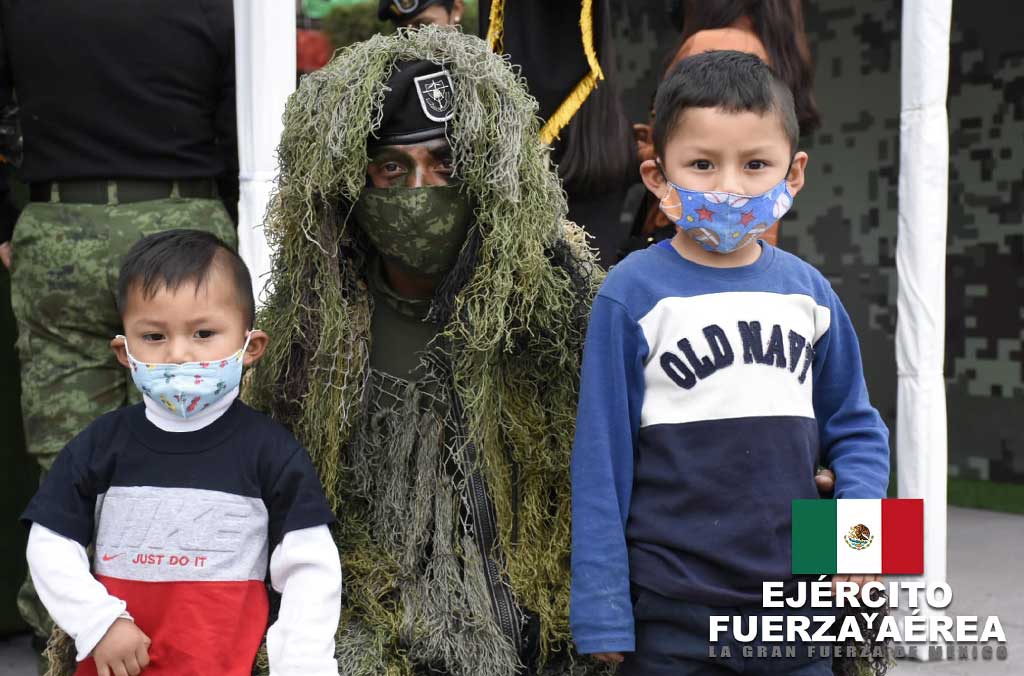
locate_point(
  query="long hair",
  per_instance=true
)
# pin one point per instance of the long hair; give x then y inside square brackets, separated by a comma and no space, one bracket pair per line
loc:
[780,26]
[513,312]
[598,151]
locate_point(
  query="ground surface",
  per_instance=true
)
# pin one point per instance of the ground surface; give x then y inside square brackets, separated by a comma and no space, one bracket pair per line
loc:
[986,557]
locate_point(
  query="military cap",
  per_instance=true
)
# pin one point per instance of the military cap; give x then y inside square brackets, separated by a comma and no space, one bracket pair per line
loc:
[418,103]
[403,10]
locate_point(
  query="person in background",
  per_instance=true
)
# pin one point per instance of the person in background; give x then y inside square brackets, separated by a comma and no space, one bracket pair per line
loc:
[10,159]
[597,160]
[416,13]
[8,217]
[128,119]
[565,52]
[772,30]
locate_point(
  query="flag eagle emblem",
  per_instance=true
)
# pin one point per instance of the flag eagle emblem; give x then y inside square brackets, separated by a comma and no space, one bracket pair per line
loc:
[859,537]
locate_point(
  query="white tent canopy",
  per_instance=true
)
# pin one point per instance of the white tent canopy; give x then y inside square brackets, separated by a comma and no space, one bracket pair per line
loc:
[264,77]
[921,451]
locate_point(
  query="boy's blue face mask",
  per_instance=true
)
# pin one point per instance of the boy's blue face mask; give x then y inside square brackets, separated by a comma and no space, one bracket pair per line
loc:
[187,389]
[722,222]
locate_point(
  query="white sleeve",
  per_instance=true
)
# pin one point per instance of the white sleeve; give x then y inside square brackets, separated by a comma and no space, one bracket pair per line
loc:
[78,603]
[306,570]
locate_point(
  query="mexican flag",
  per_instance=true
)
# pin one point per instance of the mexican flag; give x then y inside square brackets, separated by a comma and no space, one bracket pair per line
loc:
[866,537]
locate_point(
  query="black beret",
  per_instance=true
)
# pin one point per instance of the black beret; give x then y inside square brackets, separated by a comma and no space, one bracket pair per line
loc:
[403,10]
[417,106]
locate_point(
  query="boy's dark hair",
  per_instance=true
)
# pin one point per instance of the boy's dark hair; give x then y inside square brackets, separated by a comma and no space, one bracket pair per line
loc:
[736,82]
[175,257]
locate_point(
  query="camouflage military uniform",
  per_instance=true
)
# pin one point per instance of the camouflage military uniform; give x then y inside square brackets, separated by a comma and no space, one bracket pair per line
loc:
[422,228]
[63,286]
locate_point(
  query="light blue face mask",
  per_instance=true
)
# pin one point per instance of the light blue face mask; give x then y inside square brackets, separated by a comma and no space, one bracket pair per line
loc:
[722,221]
[187,389]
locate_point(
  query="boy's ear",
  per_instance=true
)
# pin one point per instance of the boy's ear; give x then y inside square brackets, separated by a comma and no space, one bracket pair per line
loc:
[120,351]
[652,177]
[457,10]
[796,176]
[258,341]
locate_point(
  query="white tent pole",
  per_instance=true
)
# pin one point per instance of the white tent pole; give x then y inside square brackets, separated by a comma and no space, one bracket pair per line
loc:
[921,451]
[264,78]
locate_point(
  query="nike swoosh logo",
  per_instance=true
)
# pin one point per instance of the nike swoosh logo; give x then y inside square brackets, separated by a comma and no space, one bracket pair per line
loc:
[108,557]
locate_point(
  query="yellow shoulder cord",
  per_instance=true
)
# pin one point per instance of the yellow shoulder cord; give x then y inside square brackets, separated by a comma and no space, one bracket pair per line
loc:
[572,103]
[496,26]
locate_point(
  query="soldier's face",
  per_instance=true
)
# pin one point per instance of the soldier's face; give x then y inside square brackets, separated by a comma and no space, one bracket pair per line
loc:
[437,15]
[411,166]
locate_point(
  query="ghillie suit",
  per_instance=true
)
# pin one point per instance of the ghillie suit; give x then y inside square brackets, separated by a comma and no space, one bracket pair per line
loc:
[870,657]
[421,470]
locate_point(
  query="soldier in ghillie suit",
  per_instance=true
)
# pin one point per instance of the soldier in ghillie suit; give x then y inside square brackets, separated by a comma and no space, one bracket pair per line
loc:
[429,306]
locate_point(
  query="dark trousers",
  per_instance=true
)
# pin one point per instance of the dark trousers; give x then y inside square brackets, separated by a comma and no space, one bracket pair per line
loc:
[672,639]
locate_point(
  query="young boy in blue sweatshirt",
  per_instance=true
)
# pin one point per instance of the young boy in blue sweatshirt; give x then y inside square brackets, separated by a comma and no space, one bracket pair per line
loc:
[718,373]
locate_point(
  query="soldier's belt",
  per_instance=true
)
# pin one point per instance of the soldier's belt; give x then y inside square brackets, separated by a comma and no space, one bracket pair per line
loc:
[121,191]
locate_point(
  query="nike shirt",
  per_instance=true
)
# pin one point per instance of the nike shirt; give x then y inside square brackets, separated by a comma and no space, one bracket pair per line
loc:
[182,524]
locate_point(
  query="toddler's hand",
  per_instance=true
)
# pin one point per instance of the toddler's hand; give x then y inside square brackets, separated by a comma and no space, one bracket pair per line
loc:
[610,658]
[123,650]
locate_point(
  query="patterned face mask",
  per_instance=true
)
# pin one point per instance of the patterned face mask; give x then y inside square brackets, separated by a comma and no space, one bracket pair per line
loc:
[424,228]
[722,221]
[189,388]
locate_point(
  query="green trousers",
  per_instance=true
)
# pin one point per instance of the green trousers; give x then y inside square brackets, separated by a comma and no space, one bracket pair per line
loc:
[63,285]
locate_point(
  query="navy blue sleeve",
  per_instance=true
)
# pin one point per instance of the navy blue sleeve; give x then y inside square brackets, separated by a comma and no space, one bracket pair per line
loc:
[607,425]
[854,440]
[294,496]
[66,501]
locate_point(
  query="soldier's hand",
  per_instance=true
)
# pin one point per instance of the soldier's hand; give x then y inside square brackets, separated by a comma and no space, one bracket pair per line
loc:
[123,650]
[825,481]
[5,254]
[859,580]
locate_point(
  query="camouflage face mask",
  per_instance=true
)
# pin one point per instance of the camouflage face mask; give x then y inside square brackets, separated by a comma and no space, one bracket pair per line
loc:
[423,228]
